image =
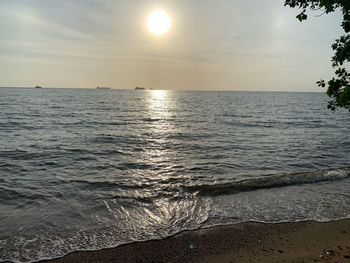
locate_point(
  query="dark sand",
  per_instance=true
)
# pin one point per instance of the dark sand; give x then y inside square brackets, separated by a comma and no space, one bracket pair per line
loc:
[247,242]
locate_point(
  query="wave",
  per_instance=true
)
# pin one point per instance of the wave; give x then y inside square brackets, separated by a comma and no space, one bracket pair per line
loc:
[180,187]
[269,181]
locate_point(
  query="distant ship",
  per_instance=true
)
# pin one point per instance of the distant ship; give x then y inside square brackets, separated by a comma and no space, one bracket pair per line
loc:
[139,88]
[103,88]
[37,87]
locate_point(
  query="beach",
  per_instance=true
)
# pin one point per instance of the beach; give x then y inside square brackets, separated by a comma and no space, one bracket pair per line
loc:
[178,131]
[244,242]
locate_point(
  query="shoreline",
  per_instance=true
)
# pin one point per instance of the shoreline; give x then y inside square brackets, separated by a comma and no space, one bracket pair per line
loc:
[306,241]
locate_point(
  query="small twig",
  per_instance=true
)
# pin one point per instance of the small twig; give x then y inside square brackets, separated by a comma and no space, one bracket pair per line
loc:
[321,14]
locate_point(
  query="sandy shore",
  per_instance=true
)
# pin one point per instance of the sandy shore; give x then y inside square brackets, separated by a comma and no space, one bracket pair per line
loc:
[248,242]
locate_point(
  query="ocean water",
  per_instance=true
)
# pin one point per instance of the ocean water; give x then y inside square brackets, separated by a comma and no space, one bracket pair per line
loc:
[88,169]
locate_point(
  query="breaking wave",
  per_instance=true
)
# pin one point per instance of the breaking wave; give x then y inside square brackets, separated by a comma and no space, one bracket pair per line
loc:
[270,181]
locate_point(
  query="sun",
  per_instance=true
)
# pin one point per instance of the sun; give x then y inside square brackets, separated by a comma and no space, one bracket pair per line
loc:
[158,22]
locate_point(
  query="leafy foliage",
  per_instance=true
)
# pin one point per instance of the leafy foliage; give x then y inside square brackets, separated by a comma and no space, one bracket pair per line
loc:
[338,88]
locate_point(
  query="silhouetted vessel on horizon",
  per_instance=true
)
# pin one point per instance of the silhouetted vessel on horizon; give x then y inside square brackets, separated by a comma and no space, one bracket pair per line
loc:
[139,88]
[37,87]
[103,88]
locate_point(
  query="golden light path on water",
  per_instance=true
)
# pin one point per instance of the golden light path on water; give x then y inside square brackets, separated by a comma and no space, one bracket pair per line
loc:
[159,109]
[168,210]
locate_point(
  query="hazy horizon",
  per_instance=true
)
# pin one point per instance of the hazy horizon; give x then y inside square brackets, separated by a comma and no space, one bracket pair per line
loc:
[226,45]
[183,90]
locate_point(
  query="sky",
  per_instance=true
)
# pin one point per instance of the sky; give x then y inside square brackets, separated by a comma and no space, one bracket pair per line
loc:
[211,45]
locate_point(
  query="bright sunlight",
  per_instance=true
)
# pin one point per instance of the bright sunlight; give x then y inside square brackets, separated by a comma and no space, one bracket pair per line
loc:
[158,22]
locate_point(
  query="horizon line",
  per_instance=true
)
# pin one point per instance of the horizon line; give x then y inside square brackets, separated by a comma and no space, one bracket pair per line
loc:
[199,90]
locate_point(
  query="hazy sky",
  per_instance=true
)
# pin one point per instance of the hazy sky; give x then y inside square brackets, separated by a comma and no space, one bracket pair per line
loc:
[212,45]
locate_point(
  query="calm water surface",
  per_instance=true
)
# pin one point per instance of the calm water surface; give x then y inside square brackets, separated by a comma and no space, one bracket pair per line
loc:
[89,169]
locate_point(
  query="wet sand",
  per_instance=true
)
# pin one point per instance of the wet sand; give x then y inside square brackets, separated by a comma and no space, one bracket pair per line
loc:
[246,242]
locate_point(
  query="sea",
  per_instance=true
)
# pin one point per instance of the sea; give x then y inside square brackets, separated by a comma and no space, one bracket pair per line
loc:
[86,169]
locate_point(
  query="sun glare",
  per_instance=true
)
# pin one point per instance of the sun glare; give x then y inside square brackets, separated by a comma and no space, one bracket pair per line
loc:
[158,22]
[159,94]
